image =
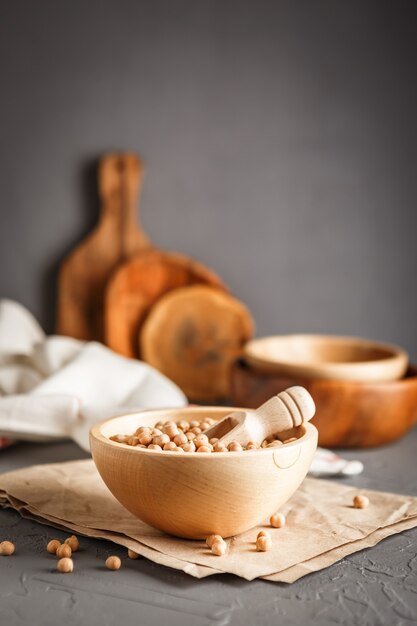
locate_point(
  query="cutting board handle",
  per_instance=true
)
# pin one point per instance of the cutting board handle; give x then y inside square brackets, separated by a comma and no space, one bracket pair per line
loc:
[120,177]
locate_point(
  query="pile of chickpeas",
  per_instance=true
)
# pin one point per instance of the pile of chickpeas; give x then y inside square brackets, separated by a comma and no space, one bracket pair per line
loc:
[186,436]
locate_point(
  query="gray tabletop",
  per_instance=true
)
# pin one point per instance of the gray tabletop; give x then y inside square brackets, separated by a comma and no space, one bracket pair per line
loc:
[376,586]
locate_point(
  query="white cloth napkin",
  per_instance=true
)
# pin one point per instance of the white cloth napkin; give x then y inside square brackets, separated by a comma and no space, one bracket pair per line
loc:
[57,387]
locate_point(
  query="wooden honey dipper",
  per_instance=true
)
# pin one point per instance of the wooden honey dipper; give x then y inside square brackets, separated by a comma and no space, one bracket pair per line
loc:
[287,410]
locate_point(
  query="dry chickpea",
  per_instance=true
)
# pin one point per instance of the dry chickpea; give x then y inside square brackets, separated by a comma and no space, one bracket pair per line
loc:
[204,449]
[213,440]
[189,447]
[145,439]
[180,439]
[159,425]
[73,543]
[160,440]
[52,546]
[185,426]
[190,436]
[155,432]
[234,446]
[142,430]
[277,520]
[263,533]
[63,551]
[7,548]
[170,423]
[219,548]
[170,445]
[251,446]
[133,441]
[132,554]
[220,447]
[120,438]
[113,563]
[171,430]
[178,449]
[212,538]
[65,565]
[201,440]
[141,445]
[196,430]
[204,425]
[194,424]
[154,446]
[263,543]
[360,502]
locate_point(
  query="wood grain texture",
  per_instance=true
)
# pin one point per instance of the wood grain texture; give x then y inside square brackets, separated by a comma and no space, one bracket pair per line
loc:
[192,335]
[348,414]
[327,357]
[219,493]
[137,286]
[117,237]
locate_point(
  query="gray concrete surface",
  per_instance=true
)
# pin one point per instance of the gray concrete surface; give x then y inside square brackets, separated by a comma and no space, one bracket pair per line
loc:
[375,587]
[279,135]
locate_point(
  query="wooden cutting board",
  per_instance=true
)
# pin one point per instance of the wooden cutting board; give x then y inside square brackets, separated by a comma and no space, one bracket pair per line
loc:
[117,237]
[192,335]
[138,284]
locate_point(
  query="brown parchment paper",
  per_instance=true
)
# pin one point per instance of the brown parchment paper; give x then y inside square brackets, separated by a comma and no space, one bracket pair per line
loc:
[322,526]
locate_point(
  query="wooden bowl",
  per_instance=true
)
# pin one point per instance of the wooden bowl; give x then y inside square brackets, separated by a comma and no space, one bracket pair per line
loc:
[194,495]
[327,357]
[348,413]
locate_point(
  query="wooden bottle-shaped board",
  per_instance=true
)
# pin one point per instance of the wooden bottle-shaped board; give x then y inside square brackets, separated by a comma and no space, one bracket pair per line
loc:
[117,237]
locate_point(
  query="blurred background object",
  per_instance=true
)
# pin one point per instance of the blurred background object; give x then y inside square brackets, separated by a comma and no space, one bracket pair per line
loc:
[280,142]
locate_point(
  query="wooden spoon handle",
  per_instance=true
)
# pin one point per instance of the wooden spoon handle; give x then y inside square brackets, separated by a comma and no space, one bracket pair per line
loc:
[288,409]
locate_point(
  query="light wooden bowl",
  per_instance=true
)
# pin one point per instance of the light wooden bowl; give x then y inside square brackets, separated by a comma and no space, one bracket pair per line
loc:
[194,495]
[327,357]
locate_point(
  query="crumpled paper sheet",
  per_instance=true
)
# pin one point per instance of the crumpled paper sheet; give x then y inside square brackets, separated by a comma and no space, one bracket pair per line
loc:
[322,526]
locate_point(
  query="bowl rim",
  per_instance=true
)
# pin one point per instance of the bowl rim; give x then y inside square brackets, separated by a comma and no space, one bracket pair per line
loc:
[96,433]
[396,352]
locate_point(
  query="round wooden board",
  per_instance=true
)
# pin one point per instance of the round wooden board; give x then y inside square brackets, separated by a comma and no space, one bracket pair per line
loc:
[192,335]
[135,287]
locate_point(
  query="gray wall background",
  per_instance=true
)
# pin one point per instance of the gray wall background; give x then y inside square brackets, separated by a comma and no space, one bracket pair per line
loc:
[280,140]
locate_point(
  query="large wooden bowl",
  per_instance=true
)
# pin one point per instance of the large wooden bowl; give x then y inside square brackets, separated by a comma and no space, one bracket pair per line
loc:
[327,357]
[348,413]
[194,495]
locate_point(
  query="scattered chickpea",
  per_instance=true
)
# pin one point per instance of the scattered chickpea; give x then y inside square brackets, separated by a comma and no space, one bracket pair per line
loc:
[234,446]
[119,438]
[277,520]
[196,431]
[159,425]
[190,436]
[178,449]
[212,538]
[201,440]
[263,544]
[52,546]
[65,565]
[185,426]
[203,449]
[155,432]
[360,502]
[219,548]
[220,447]
[263,533]
[154,446]
[73,543]
[143,430]
[63,551]
[194,424]
[113,563]
[7,548]
[132,554]
[204,425]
